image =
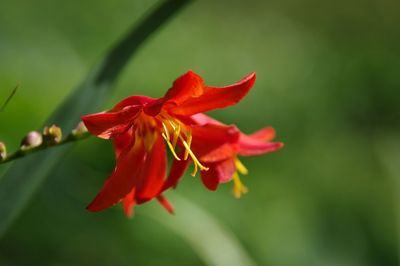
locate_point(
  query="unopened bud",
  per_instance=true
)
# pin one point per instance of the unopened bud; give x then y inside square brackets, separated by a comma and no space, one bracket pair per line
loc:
[3,151]
[31,140]
[52,135]
[79,129]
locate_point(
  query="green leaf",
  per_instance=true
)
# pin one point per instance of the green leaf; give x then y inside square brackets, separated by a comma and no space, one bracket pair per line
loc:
[9,98]
[214,243]
[25,176]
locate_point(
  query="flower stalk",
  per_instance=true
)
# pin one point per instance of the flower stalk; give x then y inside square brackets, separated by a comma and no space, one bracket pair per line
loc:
[51,136]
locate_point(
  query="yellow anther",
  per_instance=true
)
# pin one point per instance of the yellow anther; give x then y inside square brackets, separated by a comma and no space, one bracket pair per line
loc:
[238,187]
[189,142]
[240,167]
[170,147]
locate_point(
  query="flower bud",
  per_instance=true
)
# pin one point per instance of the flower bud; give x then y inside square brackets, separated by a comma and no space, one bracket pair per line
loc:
[79,129]
[52,135]
[3,151]
[31,140]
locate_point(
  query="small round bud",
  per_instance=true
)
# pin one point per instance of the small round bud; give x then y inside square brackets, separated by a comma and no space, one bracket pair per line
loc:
[52,135]
[31,140]
[3,151]
[79,129]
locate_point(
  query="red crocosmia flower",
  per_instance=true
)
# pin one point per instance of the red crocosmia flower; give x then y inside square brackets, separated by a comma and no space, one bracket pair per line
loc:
[223,162]
[141,128]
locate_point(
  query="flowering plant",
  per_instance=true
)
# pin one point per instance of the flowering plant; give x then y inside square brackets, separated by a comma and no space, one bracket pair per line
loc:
[141,128]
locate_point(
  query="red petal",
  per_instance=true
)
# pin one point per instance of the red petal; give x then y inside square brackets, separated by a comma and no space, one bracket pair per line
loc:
[129,203]
[253,144]
[213,97]
[109,125]
[202,119]
[220,172]
[185,87]
[250,145]
[225,170]
[152,176]
[214,142]
[121,142]
[264,134]
[222,152]
[166,204]
[123,179]
[177,170]
[133,100]
[210,178]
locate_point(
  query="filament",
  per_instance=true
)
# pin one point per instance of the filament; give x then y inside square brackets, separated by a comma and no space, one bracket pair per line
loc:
[170,147]
[195,160]
[180,132]
[189,142]
[166,131]
[177,132]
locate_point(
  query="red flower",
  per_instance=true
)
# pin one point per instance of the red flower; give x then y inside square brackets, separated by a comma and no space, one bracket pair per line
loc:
[223,162]
[140,126]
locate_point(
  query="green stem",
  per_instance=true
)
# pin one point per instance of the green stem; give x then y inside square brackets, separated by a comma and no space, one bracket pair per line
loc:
[45,145]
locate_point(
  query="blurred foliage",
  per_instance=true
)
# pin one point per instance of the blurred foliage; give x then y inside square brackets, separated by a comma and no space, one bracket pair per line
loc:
[326,80]
[88,97]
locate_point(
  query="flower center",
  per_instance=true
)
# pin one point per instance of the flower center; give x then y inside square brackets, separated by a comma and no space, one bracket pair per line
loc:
[145,130]
[180,132]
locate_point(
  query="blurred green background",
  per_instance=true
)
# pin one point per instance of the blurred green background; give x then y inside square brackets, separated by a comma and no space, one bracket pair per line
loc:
[327,80]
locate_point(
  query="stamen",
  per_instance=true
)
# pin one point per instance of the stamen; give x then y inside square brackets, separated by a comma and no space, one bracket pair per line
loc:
[179,133]
[172,124]
[170,147]
[240,167]
[195,170]
[195,160]
[166,131]
[189,142]
[238,187]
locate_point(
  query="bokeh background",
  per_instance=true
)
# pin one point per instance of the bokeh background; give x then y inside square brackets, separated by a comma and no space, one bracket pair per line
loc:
[327,80]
